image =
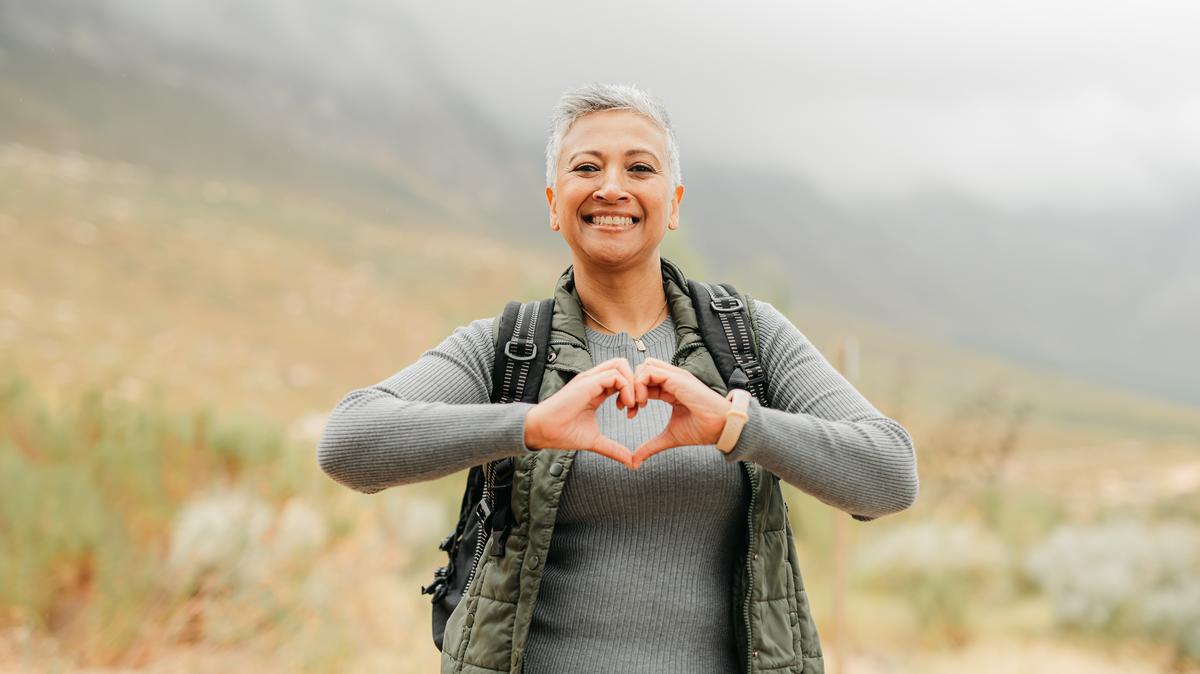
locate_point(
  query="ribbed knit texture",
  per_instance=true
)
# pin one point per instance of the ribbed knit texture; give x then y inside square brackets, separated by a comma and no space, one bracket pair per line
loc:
[640,565]
[638,574]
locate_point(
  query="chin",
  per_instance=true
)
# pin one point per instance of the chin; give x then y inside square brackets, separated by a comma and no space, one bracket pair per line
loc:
[611,254]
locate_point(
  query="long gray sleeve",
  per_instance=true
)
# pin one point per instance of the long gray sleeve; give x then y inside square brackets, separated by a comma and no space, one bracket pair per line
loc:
[430,419]
[433,418]
[821,434]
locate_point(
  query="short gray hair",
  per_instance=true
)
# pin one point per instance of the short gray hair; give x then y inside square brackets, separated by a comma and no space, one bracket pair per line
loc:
[597,98]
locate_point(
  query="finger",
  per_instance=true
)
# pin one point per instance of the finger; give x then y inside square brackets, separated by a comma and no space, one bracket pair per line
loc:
[657,393]
[604,384]
[666,366]
[628,396]
[653,446]
[632,412]
[653,376]
[640,392]
[682,385]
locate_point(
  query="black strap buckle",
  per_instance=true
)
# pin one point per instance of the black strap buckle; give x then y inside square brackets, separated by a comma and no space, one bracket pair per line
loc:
[439,581]
[725,308]
[525,344]
[485,514]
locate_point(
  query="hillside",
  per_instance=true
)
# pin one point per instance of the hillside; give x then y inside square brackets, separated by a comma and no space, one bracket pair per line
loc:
[350,104]
[185,302]
[242,297]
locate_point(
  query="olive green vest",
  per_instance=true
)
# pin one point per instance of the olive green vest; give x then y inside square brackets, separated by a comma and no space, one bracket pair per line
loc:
[487,630]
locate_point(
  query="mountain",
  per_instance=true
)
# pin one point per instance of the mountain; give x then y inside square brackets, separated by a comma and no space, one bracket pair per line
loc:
[346,103]
[1113,299]
[340,102]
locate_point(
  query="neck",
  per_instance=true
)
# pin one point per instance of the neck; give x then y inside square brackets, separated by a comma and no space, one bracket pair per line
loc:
[626,299]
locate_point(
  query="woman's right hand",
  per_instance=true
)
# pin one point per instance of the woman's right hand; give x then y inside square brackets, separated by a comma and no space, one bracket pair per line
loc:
[567,419]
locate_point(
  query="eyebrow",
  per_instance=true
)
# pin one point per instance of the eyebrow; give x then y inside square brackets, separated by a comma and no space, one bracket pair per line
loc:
[636,150]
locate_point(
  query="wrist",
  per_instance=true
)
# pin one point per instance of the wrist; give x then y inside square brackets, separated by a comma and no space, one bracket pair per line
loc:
[533,433]
[736,416]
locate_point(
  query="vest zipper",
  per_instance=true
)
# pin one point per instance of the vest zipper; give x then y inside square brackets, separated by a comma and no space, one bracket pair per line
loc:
[749,565]
[481,539]
[683,351]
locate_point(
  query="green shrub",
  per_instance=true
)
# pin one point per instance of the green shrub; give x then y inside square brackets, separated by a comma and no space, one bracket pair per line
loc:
[90,495]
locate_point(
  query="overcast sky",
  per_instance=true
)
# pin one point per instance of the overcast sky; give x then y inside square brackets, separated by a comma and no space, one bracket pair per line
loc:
[1080,105]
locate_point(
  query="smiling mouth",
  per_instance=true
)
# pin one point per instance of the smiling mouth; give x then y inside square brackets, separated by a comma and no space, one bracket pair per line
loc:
[611,220]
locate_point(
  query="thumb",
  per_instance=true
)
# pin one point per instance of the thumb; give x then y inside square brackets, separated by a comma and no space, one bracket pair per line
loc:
[653,446]
[614,450]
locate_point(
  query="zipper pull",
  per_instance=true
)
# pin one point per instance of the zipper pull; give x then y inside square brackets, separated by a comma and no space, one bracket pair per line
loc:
[640,346]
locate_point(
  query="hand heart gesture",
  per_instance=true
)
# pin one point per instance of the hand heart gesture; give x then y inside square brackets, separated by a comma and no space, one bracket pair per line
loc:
[567,419]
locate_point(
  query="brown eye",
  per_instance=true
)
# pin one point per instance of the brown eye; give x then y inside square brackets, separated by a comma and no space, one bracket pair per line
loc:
[583,167]
[645,168]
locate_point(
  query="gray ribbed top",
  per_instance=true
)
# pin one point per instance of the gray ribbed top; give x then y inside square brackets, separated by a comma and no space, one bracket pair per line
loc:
[640,568]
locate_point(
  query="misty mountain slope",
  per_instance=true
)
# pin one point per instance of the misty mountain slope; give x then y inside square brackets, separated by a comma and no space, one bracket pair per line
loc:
[223,90]
[347,103]
[1113,301]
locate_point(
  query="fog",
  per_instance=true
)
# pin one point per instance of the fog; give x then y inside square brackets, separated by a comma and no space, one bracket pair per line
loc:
[1072,106]
[1075,106]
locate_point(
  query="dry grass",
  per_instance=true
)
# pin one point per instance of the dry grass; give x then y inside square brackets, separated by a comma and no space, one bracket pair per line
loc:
[187,305]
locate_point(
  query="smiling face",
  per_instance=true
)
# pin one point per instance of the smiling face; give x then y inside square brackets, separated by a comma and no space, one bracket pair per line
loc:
[613,199]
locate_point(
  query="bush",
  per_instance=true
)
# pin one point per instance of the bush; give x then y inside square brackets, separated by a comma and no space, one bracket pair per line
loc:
[89,496]
[1125,577]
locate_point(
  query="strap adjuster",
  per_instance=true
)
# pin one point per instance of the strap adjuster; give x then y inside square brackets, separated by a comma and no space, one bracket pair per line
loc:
[485,514]
[755,372]
[736,306]
[526,344]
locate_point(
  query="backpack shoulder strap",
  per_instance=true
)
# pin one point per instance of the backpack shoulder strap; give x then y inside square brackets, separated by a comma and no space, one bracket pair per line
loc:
[522,342]
[522,338]
[521,346]
[728,329]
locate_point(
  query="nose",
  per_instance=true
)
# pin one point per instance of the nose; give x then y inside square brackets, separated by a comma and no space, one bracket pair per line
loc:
[612,188]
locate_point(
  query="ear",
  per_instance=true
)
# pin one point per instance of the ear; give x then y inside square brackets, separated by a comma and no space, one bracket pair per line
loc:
[673,221]
[553,213]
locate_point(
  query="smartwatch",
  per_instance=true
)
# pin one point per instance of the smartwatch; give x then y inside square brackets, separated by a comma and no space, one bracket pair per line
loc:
[735,419]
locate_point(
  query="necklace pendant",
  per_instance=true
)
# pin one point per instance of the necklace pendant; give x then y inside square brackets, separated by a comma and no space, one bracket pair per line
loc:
[640,346]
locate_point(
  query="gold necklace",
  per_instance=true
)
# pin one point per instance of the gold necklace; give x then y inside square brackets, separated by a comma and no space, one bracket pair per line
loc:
[637,341]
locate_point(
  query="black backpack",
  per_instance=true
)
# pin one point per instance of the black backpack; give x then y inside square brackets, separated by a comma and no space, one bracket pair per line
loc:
[522,346]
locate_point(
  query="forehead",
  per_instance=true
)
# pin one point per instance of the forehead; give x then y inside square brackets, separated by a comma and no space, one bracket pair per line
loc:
[612,132]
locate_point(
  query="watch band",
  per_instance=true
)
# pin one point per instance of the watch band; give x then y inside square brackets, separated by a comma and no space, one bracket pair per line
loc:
[735,419]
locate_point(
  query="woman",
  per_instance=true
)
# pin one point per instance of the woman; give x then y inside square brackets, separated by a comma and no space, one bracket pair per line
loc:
[656,555]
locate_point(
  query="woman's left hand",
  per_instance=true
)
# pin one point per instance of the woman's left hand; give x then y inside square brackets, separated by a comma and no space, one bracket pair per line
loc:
[698,414]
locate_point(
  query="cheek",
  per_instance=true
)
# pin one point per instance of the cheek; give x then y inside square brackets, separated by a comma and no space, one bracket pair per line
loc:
[570,200]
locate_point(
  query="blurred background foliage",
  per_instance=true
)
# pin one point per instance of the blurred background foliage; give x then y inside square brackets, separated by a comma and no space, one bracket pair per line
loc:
[206,242]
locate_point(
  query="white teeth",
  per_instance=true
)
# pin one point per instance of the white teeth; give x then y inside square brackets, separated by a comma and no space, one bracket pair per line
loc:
[613,220]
